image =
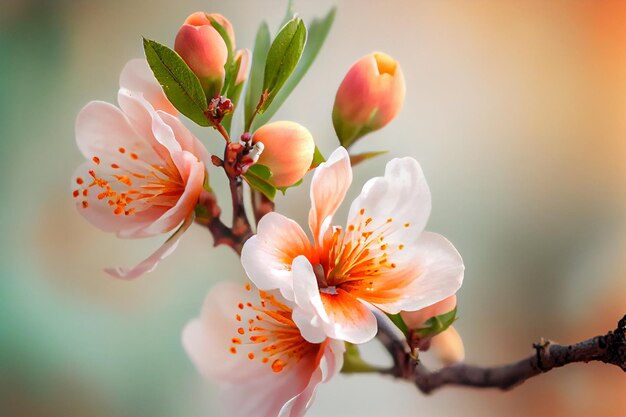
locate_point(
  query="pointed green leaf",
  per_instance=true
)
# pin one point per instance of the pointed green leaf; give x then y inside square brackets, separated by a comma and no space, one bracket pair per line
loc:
[258,177]
[317,34]
[282,59]
[257,71]
[180,84]
[360,157]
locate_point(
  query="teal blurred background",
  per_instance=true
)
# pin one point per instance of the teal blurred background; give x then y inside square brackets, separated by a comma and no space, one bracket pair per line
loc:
[516,110]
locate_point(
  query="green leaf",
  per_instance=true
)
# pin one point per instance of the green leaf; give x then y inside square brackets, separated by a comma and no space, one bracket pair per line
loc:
[180,84]
[399,322]
[318,158]
[258,177]
[282,59]
[437,324]
[317,34]
[257,70]
[360,157]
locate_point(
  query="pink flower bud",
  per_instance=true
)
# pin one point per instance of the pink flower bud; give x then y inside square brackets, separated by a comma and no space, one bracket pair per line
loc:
[448,346]
[416,319]
[204,50]
[370,96]
[287,151]
[243,58]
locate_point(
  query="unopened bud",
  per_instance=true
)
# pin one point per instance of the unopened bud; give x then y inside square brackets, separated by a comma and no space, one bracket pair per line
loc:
[288,151]
[202,47]
[370,96]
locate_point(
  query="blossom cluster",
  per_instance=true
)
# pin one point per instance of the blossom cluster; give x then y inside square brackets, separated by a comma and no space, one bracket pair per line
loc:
[271,342]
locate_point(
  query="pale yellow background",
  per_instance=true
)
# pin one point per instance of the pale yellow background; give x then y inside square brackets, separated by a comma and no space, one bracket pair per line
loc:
[515,109]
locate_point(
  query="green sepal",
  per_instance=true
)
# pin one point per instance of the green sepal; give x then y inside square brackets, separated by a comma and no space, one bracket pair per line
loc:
[282,58]
[349,133]
[258,177]
[437,324]
[181,86]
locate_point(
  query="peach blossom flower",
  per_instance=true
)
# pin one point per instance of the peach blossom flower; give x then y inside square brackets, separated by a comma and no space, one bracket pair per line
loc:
[145,170]
[370,96]
[247,342]
[288,149]
[382,259]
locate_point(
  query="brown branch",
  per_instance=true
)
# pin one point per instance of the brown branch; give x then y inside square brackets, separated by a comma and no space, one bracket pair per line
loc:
[222,234]
[241,226]
[609,348]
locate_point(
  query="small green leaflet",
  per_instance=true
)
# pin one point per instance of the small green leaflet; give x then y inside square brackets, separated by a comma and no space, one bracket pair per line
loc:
[180,84]
[282,58]
[258,177]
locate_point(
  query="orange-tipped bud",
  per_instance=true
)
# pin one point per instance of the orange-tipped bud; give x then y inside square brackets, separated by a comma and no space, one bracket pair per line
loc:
[243,59]
[448,346]
[287,151]
[416,319]
[204,50]
[370,96]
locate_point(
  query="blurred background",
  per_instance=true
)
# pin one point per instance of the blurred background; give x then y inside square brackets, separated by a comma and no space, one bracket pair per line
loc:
[515,109]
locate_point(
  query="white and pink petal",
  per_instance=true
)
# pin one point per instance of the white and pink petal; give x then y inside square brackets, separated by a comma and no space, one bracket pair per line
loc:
[329,186]
[151,262]
[437,273]
[268,255]
[397,205]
